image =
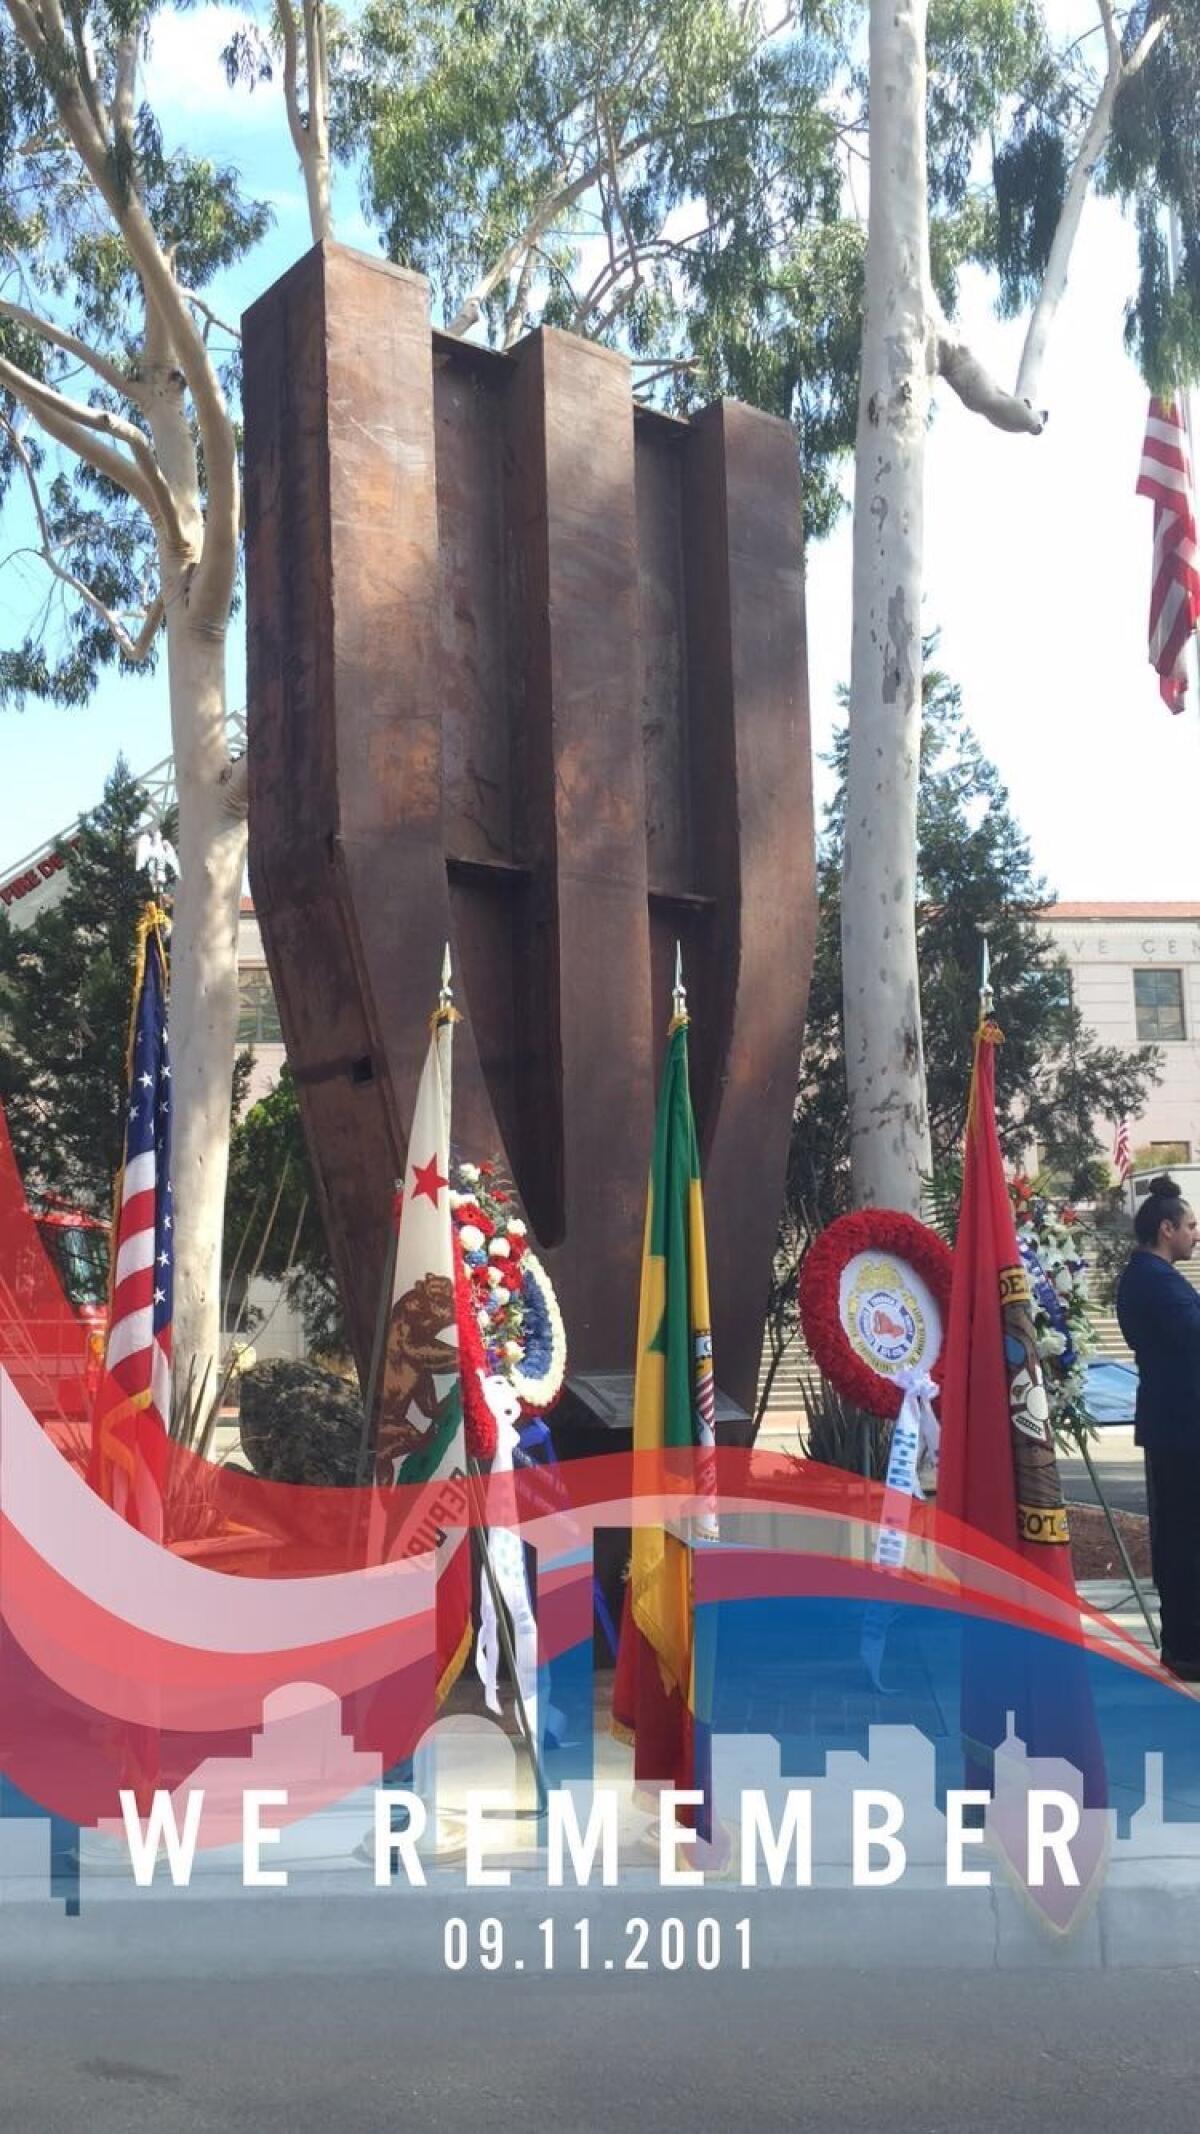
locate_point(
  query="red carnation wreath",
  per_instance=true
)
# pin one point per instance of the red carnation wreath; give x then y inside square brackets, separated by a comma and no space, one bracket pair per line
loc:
[480,1423]
[908,1244]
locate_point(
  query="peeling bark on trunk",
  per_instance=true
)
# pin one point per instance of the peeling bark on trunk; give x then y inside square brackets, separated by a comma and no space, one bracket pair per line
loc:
[212,854]
[204,997]
[885,1068]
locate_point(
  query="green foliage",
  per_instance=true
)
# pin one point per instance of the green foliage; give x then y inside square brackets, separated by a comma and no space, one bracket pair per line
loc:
[942,1198]
[1153,160]
[272,1222]
[299,1424]
[66,983]
[840,1435]
[981,55]
[679,178]
[675,177]
[62,258]
[1029,173]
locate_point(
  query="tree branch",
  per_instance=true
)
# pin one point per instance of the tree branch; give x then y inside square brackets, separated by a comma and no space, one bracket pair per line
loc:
[291,77]
[975,386]
[206,311]
[1092,147]
[516,310]
[71,345]
[555,203]
[85,63]
[123,97]
[133,649]
[212,585]
[614,179]
[310,135]
[667,367]
[317,128]
[235,781]
[71,424]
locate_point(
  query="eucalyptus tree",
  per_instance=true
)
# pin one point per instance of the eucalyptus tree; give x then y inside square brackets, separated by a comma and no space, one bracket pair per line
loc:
[1055,123]
[119,465]
[665,176]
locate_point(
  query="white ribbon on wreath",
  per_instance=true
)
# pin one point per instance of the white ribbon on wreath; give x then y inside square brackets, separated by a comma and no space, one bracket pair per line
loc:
[916,1435]
[507,1553]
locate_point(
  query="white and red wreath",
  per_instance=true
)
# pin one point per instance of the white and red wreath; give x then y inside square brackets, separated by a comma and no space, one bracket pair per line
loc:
[874,1301]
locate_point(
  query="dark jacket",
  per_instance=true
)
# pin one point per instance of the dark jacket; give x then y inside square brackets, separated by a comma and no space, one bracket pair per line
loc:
[1159,1314]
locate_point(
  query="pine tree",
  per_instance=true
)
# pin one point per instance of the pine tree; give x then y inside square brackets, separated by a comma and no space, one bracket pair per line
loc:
[1054,1080]
[272,1221]
[65,987]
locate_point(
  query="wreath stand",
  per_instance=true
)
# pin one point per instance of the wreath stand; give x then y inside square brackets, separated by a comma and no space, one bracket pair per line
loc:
[1119,1539]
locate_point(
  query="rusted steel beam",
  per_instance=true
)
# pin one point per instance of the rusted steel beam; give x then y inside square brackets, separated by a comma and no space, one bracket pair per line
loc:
[526,671]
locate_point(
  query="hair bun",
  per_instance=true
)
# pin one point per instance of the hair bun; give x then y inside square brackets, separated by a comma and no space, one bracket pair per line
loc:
[1164,1187]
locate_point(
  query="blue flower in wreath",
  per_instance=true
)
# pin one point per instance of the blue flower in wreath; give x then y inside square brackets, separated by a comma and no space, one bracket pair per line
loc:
[1047,1297]
[537,1379]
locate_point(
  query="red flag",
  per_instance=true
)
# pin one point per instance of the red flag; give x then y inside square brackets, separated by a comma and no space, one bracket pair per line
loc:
[998,1471]
[1122,1152]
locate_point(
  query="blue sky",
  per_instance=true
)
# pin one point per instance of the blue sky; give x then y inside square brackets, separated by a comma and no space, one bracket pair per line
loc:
[1037,556]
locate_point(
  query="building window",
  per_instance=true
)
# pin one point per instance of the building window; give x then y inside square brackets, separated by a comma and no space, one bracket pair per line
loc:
[1158,1006]
[258,1016]
[1164,1153]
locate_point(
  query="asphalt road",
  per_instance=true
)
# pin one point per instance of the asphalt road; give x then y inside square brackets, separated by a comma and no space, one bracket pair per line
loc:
[1123,1483]
[325,2038]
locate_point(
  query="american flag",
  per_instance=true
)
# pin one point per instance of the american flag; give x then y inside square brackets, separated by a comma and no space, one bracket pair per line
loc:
[1122,1152]
[133,1406]
[1166,477]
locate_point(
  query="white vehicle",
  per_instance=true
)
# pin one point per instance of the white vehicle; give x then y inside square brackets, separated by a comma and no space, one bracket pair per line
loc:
[1186,1176]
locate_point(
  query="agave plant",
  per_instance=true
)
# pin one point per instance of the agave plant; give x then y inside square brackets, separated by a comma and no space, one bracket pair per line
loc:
[841,1435]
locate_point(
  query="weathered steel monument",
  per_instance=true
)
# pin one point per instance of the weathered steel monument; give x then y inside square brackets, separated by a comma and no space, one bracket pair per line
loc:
[526,673]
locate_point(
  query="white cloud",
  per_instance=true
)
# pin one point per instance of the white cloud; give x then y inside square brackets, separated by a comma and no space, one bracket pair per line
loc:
[183,78]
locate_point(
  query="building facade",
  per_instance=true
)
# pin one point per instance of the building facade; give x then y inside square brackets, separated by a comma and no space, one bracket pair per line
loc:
[1135,978]
[258,1027]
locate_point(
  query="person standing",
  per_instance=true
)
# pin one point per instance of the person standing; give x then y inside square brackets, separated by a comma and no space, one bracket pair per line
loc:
[1159,1315]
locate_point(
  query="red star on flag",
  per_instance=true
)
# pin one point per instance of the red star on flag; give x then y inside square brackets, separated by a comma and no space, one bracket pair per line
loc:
[428,1179]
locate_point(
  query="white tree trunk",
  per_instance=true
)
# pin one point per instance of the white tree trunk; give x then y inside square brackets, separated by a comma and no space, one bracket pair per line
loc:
[204,997]
[885,1067]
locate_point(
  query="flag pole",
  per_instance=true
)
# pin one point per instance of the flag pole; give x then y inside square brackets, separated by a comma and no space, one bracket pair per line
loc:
[1187,412]
[447,1016]
[378,1344]
[987,999]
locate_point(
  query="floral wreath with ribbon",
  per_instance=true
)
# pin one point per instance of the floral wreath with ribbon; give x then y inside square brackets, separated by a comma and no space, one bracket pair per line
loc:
[897,1329]
[1051,1248]
[513,1311]
[872,1230]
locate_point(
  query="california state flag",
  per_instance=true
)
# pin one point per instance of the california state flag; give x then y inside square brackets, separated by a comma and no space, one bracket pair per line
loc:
[420,1437]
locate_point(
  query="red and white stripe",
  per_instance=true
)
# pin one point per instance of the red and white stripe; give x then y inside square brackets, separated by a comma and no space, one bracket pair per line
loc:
[1166,477]
[1122,1152]
[137,1360]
